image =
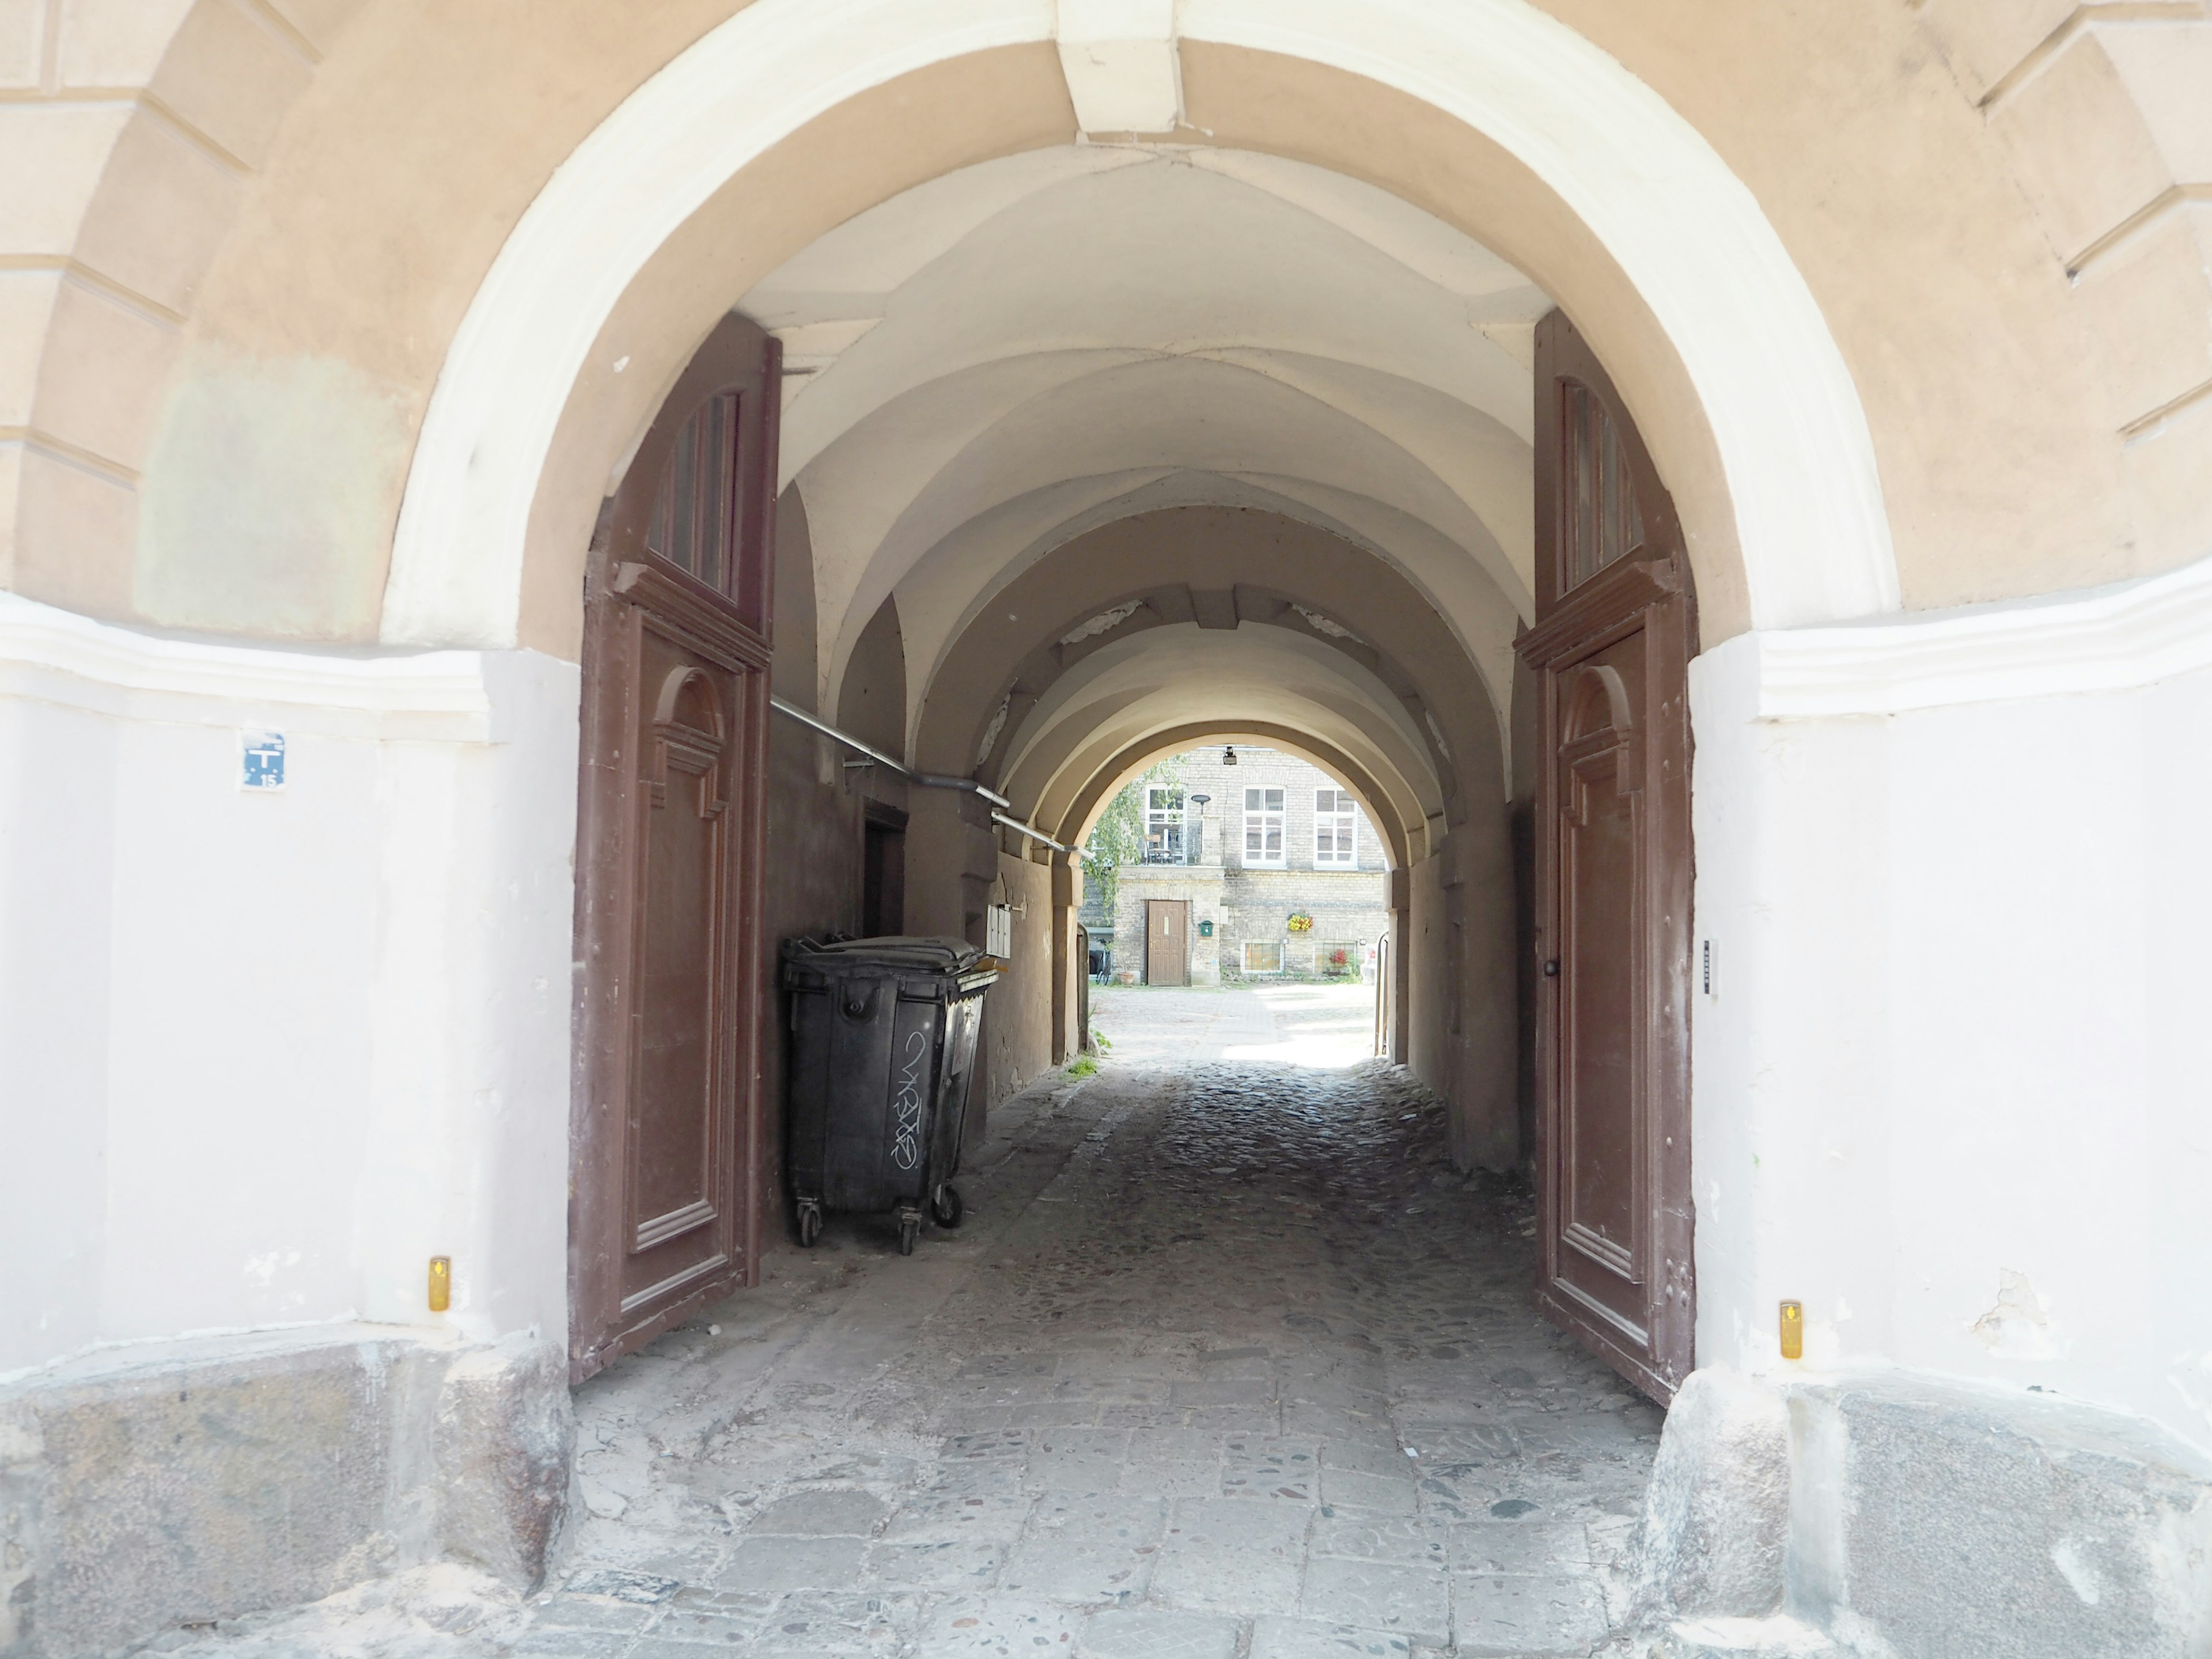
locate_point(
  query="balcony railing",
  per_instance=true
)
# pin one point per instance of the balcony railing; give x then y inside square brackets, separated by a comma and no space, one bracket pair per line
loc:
[1174,844]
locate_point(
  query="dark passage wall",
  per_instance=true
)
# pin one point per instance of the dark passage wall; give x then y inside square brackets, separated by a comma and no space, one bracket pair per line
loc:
[815,822]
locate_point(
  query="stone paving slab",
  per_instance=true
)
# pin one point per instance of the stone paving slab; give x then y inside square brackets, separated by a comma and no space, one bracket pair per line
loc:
[1155,1633]
[1508,1546]
[1409,1600]
[1003,1628]
[939,1565]
[1275,1468]
[1086,1549]
[1390,1494]
[824,1512]
[1370,1457]
[960,1512]
[1363,1535]
[794,1564]
[1527,1618]
[1229,1555]
[1077,1459]
[1308,1638]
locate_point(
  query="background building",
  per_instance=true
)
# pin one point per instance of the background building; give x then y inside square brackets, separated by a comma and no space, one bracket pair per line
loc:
[1246,850]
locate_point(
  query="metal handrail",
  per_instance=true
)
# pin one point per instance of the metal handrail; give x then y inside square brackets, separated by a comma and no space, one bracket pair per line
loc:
[927,780]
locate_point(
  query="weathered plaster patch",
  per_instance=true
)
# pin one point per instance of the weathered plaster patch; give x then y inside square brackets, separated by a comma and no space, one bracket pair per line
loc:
[991,732]
[1104,622]
[1320,624]
[2019,1327]
[270,498]
[262,1270]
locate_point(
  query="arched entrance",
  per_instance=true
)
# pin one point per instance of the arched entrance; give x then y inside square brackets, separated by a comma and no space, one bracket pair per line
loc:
[942,471]
[480,478]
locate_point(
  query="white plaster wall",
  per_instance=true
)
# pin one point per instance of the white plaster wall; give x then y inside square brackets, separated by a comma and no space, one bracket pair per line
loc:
[1951,1091]
[263,1054]
[259,1057]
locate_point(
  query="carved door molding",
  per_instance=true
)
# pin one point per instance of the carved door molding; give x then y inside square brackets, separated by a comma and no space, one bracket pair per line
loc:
[667,1133]
[1616,626]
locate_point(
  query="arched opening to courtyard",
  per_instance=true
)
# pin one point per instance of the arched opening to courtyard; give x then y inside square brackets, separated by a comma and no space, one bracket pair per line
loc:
[740,475]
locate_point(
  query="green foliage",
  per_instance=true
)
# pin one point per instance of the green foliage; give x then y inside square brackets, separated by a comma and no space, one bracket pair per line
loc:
[1118,838]
[1084,1066]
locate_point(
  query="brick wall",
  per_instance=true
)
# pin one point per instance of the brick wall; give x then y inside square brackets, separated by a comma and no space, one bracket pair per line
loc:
[1349,906]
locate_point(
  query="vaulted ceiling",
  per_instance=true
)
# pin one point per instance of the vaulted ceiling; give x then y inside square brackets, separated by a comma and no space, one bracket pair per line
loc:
[992,366]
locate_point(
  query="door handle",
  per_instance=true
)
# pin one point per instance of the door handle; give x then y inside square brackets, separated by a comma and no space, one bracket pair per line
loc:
[1552,968]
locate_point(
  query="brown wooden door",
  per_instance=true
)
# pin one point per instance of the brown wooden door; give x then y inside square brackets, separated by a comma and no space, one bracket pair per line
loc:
[882,871]
[1167,941]
[1616,626]
[665,1146]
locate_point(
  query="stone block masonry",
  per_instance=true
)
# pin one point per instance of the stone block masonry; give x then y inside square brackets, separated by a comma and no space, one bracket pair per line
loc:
[1899,1512]
[1347,908]
[142,1490]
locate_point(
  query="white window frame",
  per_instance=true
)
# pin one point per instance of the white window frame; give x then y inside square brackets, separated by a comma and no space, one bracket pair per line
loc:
[1282,956]
[1159,818]
[1343,822]
[1262,819]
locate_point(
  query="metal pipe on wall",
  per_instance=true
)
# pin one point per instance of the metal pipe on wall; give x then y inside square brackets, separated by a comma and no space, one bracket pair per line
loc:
[927,780]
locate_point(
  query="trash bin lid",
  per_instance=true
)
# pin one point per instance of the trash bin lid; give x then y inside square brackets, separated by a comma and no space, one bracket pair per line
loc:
[899,953]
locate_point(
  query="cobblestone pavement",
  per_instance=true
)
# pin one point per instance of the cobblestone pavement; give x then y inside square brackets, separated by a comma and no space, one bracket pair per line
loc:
[1225,1363]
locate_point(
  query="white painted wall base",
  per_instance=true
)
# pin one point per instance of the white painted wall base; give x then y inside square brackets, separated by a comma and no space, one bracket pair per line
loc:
[263,1054]
[1950,1092]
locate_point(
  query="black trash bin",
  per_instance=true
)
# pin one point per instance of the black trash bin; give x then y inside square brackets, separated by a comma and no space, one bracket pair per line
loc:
[882,1050]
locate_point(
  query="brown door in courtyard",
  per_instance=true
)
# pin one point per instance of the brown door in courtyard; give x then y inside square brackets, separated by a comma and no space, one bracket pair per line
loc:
[1616,626]
[665,1144]
[1167,941]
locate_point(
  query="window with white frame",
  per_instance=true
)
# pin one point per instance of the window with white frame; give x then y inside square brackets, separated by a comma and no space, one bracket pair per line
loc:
[1163,842]
[1263,828]
[1336,830]
[1263,956]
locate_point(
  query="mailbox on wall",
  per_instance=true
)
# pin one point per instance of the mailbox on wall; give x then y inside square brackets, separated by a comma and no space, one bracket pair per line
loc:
[1206,930]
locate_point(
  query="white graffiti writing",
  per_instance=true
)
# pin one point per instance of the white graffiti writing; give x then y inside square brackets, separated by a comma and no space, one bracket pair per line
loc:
[906,1104]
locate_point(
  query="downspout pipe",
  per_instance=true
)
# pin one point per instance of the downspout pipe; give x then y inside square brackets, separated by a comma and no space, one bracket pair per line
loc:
[927,780]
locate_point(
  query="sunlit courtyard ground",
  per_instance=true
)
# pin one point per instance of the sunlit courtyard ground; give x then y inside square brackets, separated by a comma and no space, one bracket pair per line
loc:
[1327,1026]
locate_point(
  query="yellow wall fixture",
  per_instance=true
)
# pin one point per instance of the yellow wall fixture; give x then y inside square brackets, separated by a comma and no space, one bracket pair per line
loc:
[441,1283]
[1793,1330]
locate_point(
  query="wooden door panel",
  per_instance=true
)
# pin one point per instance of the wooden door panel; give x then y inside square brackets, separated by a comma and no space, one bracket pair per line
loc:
[664,1211]
[1167,941]
[1600,954]
[680,1101]
[1616,626]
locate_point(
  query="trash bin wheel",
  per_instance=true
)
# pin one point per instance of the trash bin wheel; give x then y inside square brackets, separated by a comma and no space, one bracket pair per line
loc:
[909,1230]
[810,1225]
[945,1209]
